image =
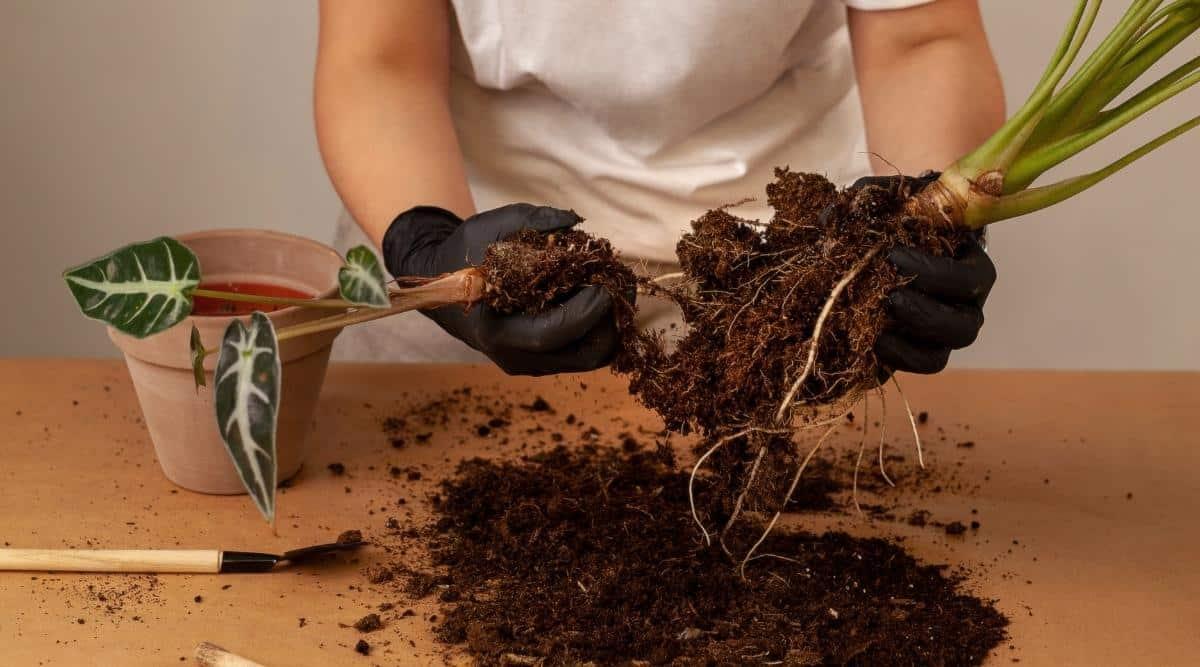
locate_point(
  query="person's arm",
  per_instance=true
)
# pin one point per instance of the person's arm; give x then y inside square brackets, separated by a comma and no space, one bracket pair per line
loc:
[382,109]
[930,93]
[930,88]
[389,145]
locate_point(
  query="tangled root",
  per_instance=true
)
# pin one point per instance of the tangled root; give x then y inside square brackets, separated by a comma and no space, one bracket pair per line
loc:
[782,321]
[781,317]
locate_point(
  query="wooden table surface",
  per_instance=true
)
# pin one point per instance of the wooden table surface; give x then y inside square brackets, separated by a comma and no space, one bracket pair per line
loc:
[1086,486]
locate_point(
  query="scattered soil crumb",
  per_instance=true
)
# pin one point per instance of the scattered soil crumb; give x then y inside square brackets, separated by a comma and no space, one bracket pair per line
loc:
[378,574]
[539,404]
[350,537]
[368,623]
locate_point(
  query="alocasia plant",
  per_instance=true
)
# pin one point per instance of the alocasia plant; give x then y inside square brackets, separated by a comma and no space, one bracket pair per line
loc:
[146,288]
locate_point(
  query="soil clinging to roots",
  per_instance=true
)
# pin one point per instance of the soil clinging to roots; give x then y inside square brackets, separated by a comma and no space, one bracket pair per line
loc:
[782,319]
[754,293]
[589,555]
[531,272]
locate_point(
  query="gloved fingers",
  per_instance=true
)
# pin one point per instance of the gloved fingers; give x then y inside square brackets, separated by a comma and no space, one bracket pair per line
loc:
[900,354]
[484,229]
[880,181]
[923,318]
[457,321]
[915,183]
[594,350]
[500,223]
[967,279]
[552,329]
[882,373]
[410,243]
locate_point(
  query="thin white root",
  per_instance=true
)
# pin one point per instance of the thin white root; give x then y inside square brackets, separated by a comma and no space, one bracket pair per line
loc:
[862,447]
[788,498]
[667,276]
[882,433]
[811,361]
[911,420]
[692,480]
[737,505]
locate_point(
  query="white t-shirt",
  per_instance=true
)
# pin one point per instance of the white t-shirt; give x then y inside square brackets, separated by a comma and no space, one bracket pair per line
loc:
[642,115]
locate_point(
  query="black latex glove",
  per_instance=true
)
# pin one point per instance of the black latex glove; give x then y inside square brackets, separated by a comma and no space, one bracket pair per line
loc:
[578,334]
[941,308]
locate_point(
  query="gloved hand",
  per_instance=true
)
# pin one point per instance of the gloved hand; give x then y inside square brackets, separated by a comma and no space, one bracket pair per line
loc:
[579,334]
[941,309]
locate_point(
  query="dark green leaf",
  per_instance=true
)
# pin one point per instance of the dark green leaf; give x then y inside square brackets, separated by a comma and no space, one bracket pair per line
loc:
[247,400]
[198,354]
[141,289]
[361,281]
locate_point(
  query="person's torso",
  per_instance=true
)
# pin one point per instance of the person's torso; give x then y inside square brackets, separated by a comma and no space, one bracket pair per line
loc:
[641,116]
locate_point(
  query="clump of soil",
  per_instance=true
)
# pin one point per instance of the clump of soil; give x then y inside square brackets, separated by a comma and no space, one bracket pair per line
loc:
[531,271]
[350,537]
[754,291]
[591,555]
[378,574]
[752,297]
[368,623]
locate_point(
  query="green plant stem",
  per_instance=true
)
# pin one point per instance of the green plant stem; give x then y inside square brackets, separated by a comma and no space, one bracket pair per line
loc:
[1059,108]
[1089,108]
[1162,20]
[272,300]
[1003,146]
[981,212]
[463,287]
[1027,168]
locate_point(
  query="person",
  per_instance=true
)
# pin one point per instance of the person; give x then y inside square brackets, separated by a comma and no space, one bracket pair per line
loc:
[446,126]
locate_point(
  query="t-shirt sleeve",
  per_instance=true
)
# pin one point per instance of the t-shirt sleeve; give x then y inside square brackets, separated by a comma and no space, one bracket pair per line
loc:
[873,5]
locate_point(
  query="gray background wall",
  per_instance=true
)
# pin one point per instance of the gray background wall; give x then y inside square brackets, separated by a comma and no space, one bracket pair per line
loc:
[125,119]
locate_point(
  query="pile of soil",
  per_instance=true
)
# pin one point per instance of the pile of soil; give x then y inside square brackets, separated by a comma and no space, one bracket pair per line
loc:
[590,554]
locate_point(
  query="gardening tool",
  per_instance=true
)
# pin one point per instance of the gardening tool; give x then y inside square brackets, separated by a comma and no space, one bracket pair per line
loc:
[158,560]
[210,655]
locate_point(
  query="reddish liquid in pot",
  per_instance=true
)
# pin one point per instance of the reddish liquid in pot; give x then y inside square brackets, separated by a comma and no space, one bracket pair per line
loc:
[206,306]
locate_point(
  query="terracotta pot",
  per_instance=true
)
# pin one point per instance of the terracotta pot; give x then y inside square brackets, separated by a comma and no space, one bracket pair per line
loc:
[181,420]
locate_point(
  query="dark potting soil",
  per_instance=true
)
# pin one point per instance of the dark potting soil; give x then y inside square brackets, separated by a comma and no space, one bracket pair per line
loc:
[591,555]
[770,340]
[350,536]
[368,623]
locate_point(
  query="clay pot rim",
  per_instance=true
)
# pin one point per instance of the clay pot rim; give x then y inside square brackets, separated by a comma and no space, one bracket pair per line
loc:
[148,349]
[268,234]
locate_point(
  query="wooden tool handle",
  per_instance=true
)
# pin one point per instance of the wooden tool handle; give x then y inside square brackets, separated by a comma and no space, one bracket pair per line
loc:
[211,655]
[113,560]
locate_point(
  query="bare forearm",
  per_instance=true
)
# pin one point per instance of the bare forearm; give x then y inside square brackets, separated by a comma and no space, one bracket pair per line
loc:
[927,99]
[388,144]
[383,111]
